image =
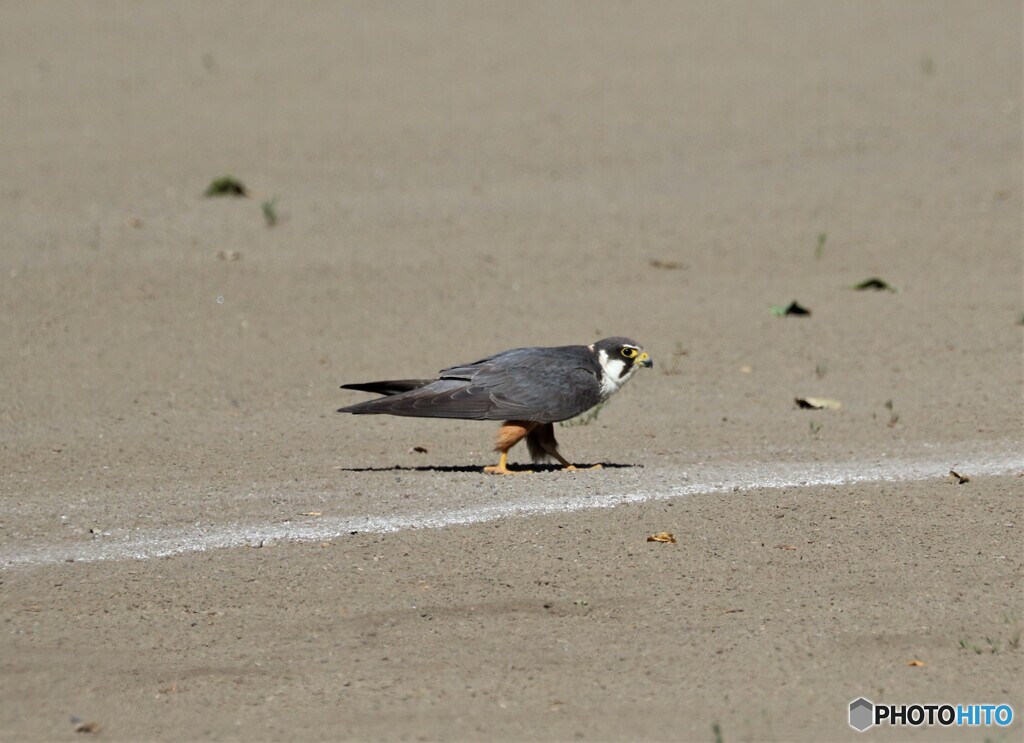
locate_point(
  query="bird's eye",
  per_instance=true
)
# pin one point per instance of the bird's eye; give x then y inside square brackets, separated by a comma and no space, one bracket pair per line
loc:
[629,353]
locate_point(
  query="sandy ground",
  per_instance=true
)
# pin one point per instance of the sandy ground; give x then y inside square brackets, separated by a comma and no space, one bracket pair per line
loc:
[450,180]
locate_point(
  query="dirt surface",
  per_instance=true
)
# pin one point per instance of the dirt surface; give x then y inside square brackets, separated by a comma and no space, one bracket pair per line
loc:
[178,497]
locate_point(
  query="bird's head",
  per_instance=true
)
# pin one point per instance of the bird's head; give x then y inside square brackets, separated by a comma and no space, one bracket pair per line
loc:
[619,359]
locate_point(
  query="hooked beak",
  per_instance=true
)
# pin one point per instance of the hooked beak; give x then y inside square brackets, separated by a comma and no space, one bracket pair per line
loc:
[645,360]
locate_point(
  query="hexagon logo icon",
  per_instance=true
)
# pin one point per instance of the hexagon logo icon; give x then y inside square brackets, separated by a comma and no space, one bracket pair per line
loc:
[862,714]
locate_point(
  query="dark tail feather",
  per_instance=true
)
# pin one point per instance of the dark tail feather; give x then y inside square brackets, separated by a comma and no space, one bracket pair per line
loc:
[363,407]
[393,387]
[386,388]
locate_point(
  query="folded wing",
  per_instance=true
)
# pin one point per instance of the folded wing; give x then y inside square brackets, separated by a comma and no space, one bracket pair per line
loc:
[533,384]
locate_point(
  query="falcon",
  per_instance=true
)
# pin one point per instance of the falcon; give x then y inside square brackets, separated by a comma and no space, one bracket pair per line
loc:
[530,389]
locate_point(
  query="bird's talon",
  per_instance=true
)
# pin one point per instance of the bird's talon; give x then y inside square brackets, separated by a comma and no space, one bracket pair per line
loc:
[496,469]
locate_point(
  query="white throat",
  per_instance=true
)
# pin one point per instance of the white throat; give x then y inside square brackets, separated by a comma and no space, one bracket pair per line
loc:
[614,374]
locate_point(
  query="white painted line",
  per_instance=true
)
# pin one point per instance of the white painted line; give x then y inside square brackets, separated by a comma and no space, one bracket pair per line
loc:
[715,479]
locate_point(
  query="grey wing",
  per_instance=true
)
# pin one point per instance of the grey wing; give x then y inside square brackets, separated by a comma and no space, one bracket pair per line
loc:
[535,384]
[543,385]
[544,394]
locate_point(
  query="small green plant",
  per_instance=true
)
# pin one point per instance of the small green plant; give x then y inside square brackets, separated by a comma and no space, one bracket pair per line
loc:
[991,646]
[586,418]
[966,645]
[716,733]
[270,212]
[894,417]
[820,370]
[793,308]
[815,428]
[819,250]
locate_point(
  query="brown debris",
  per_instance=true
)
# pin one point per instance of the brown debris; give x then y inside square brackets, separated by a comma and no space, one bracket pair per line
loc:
[662,536]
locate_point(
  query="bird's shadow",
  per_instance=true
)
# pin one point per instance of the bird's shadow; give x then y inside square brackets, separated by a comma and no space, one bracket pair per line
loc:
[538,468]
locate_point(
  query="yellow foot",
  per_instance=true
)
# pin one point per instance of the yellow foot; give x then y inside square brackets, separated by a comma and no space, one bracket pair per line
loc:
[501,469]
[574,468]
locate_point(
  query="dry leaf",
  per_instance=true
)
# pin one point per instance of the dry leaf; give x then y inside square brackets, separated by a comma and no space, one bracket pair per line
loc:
[311,513]
[226,186]
[418,450]
[785,547]
[875,283]
[662,536]
[958,478]
[732,611]
[667,265]
[89,727]
[916,663]
[818,403]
